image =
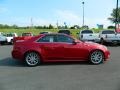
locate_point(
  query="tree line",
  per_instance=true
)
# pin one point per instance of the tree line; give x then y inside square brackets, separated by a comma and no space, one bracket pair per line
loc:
[5,26]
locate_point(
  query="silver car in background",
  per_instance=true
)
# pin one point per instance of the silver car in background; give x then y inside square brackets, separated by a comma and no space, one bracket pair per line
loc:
[3,39]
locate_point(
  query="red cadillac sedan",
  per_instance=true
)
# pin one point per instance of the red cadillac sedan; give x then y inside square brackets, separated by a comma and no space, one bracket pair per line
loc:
[56,48]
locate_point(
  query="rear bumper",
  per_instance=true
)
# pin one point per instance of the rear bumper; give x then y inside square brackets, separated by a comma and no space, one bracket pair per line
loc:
[17,55]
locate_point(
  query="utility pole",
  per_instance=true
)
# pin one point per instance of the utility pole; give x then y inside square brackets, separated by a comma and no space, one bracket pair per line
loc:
[83,13]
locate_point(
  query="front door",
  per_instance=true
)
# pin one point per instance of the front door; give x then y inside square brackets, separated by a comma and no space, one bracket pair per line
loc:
[71,51]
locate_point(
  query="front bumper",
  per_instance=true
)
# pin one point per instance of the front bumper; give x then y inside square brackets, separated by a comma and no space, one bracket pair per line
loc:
[107,55]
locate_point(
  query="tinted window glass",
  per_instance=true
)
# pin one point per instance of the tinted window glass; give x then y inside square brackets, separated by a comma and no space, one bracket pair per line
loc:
[64,31]
[10,35]
[108,32]
[47,38]
[44,32]
[63,38]
[87,31]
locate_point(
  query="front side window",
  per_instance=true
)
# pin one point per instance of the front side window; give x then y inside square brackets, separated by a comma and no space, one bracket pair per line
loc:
[47,38]
[63,38]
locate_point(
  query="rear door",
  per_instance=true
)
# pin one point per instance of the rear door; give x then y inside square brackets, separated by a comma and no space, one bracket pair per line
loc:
[50,49]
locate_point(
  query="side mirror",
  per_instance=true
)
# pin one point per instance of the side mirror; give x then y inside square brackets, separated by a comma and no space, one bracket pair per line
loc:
[75,42]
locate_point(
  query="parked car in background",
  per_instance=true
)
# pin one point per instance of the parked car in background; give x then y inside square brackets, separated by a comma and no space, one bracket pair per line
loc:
[89,35]
[24,36]
[45,32]
[1,33]
[56,48]
[64,31]
[109,36]
[3,39]
[10,37]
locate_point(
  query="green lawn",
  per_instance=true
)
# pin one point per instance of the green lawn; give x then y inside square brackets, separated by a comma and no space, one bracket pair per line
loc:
[37,31]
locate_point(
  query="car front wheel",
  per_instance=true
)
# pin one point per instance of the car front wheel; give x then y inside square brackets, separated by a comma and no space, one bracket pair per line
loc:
[32,59]
[97,57]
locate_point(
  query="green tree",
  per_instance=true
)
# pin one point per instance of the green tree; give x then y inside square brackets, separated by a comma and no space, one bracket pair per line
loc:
[113,16]
[50,26]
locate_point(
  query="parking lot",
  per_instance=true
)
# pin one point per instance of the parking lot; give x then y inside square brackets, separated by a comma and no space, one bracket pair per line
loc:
[63,76]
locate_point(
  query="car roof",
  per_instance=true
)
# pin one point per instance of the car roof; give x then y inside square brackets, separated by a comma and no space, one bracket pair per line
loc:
[54,34]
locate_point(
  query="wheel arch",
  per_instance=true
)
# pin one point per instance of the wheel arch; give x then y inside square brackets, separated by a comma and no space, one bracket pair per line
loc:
[96,50]
[38,52]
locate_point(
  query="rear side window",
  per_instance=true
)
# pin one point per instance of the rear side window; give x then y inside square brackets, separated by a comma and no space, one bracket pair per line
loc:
[108,32]
[87,32]
[47,38]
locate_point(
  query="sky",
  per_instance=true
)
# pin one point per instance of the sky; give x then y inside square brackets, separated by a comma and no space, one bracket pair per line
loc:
[45,12]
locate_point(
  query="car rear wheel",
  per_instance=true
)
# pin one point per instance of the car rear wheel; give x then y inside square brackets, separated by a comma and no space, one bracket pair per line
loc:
[97,57]
[32,59]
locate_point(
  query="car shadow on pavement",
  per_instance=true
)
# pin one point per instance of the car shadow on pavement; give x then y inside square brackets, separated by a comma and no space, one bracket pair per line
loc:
[11,62]
[65,63]
[14,63]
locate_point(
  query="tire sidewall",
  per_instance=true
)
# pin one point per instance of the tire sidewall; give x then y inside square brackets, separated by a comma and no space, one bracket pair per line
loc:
[28,63]
[93,61]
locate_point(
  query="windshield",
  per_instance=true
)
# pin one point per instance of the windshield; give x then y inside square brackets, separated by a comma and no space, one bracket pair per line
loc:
[87,32]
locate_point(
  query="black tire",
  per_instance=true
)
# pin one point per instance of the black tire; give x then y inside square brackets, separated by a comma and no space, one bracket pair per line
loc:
[11,42]
[32,59]
[97,57]
[102,41]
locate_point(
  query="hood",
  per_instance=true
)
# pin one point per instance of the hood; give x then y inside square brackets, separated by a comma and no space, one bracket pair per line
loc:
[93,45]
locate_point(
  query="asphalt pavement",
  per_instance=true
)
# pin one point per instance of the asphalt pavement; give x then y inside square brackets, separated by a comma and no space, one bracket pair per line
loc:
[59,76]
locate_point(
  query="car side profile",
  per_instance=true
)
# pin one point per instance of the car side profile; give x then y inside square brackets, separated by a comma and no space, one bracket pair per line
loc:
[57,48]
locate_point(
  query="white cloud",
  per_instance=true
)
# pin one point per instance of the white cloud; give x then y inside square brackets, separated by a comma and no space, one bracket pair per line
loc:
[68,17]
[92,22]
[71,18]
